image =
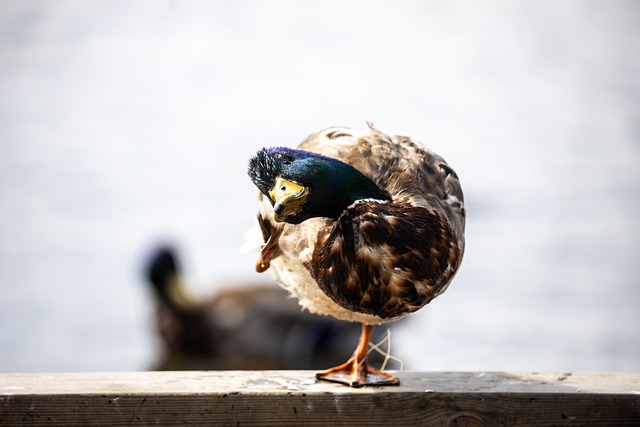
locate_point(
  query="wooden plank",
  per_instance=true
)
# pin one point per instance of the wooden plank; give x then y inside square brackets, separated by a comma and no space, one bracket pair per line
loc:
[296,398]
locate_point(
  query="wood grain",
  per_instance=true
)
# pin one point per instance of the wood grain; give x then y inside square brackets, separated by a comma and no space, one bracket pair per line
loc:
[295,398]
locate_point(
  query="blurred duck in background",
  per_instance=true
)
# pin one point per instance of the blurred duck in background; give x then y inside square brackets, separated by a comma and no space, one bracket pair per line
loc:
[245,327]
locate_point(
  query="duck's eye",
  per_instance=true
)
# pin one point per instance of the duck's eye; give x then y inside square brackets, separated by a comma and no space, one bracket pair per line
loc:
[286,159]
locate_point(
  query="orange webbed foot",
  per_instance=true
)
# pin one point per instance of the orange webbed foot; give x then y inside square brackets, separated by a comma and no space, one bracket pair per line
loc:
[270,234]
[355,372]
[357,375]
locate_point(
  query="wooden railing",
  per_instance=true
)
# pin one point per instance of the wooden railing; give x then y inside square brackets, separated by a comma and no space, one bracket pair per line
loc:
[295,398]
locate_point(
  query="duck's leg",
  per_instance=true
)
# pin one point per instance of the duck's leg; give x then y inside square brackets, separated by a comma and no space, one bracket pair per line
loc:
[355,372]
[270,234]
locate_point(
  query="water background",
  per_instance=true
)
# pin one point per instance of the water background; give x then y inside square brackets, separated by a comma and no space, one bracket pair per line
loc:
[128,123]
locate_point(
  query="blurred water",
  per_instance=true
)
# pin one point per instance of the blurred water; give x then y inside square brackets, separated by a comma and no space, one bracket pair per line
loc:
[123,124]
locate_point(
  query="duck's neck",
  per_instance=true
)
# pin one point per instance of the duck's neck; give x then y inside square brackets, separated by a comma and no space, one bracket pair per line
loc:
[334,186]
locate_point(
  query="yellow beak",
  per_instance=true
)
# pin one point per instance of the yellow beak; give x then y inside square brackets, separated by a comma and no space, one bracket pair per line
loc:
[288,198]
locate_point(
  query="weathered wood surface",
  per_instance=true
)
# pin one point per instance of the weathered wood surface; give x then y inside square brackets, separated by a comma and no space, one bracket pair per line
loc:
[296,398]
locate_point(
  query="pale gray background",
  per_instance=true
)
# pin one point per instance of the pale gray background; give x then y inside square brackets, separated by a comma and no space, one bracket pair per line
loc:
[126,123]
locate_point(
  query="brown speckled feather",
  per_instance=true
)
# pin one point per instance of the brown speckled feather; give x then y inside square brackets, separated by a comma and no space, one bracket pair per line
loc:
[385,259]
[380,259]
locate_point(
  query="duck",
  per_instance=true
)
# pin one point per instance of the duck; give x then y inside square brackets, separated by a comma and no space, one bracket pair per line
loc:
[248,325]
[359,225]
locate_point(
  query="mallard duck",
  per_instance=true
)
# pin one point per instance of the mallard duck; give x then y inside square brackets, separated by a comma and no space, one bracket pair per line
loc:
[251,326]
[359,225]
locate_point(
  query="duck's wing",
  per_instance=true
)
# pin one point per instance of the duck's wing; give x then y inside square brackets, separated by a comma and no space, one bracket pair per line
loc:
[397,164]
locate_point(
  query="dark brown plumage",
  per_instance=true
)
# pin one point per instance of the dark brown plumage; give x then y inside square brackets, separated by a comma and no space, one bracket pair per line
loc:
[348,265]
